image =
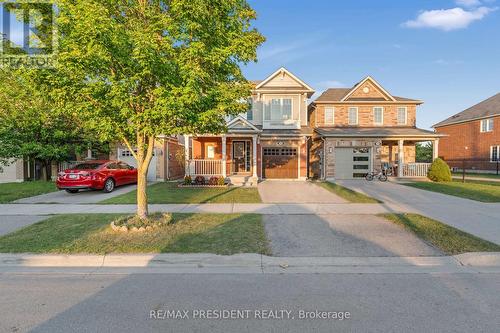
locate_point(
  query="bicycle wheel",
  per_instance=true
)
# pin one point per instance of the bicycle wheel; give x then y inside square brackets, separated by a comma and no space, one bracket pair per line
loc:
[382,178]
[369,177]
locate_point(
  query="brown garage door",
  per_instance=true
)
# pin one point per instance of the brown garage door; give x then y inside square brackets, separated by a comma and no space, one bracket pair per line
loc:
[280,163]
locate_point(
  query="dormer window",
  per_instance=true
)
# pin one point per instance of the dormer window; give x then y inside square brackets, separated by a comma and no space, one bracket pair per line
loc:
[487,125]
[281,109]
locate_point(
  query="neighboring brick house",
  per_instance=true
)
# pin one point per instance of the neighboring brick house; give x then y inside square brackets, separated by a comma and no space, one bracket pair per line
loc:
[270,141]
[358,129]
[472,136]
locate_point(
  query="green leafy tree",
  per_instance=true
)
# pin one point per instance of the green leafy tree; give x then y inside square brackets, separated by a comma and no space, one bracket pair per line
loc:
[423,152]
[133,70]
[31,125]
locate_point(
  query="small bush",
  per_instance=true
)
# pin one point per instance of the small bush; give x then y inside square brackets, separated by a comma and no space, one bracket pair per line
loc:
[199,180]
[439,171]
[213,181]
[188,180]
[221,181]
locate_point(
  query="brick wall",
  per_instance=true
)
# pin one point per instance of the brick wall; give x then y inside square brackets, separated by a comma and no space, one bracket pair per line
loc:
[365,115]
[459,136]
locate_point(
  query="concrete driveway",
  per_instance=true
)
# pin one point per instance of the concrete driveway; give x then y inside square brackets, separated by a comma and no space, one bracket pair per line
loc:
[477,218]
[275,191]
[82,197]
[341,236]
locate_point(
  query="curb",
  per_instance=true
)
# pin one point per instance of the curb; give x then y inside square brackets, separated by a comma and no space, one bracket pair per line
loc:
[242,260]
[479,259]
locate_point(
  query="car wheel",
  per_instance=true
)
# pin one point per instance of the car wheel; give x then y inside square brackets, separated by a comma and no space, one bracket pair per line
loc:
[72,190]
[109,185]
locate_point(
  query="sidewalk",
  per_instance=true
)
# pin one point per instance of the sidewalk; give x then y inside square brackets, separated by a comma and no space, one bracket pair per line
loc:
[246,263]
[265,209]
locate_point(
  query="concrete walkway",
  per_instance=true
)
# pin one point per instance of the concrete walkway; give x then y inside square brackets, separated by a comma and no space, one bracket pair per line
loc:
[264,209]
[276,191]
[82,197]
[474,217]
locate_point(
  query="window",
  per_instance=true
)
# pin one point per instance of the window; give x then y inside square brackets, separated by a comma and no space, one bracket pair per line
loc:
[494,153]
[281,109]
[250,110]
[487,125]
[378,115]
[353,116]
[210,151]
[329,116]
[402,115]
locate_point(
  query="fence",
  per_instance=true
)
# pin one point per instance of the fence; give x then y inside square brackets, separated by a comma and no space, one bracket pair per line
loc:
[474,166]
[205,167]
[416,169]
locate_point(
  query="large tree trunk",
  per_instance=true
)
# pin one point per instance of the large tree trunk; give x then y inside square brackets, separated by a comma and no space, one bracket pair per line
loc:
[145,148]
[142,196]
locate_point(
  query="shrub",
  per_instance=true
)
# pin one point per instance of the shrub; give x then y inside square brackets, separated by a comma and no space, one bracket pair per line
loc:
[199,180]
[188,180]
[439,171]
[221,181]
[213,181]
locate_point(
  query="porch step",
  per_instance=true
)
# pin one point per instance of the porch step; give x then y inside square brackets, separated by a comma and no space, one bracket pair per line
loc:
[243,180]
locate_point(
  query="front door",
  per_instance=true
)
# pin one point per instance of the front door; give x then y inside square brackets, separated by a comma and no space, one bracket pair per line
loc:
[239,156]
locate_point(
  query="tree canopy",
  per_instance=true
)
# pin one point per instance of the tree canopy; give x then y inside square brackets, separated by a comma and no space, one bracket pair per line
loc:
[133,70]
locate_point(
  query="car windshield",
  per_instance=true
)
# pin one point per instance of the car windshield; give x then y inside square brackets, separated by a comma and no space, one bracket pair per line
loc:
[87,166]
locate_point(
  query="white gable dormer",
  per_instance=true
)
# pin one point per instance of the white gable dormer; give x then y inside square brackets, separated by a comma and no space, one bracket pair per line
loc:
[280,101]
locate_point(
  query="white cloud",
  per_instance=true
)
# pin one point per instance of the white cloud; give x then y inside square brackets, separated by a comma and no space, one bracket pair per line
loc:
[447,62]
[448,19]
[468,3]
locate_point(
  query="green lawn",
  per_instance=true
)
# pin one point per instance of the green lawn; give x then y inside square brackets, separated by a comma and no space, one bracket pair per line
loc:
[168,192]
[348,194]
[12,191]
[448,239]
[472,190]
[224,234]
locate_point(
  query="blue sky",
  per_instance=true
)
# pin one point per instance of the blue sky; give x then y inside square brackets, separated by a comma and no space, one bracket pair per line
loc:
[444,52]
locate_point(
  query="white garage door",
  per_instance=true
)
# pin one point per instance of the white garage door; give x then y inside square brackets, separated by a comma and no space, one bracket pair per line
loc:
[126,156]
[352,163]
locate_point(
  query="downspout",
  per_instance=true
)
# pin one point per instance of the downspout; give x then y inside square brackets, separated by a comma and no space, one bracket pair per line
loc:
[324,158]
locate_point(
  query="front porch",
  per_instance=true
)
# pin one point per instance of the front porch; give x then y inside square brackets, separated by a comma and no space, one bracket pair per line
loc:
[391,158]
[232,156]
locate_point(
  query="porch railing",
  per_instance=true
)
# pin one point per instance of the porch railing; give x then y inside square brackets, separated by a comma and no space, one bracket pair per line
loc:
[416,169]
[205,167]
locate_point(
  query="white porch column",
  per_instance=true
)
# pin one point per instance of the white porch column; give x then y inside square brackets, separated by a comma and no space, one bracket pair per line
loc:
[186,154]
[435,149]
[401,159]
[254,156]
[224,171]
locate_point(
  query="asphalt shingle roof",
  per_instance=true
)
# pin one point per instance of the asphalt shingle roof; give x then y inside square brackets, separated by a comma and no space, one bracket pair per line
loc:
[488,107]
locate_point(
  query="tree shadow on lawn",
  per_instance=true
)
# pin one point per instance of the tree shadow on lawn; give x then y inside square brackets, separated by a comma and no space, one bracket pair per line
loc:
[187,233]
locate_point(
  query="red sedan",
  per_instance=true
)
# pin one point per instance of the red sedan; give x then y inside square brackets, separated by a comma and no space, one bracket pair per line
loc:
[99,175]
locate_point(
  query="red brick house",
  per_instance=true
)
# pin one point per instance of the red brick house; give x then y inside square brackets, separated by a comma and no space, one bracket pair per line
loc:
[472,137]
[365,128]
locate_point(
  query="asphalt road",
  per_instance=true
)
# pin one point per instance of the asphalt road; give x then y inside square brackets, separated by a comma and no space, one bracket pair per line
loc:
[125,303]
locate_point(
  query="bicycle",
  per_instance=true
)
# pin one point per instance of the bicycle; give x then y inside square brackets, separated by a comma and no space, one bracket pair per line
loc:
[380,175]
